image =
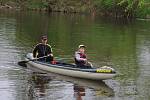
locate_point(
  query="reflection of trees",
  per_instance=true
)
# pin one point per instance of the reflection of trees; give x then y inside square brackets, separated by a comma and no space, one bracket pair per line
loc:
[59,27]
[30,26]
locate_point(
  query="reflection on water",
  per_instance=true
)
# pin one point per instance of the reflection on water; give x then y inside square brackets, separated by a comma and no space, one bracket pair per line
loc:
[53,86]
[38,85]
[144,63]
[79,91]
[123,46]
[60,85]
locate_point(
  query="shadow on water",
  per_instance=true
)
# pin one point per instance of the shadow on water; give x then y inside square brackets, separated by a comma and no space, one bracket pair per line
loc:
[48,85]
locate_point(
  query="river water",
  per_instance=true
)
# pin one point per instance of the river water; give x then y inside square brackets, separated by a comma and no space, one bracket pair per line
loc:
[124,46]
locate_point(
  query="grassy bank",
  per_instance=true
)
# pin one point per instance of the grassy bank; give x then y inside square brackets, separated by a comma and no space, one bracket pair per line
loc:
[123,8]
[112,8]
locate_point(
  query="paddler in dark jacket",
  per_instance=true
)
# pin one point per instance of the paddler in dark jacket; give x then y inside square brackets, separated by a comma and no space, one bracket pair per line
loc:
[81,58]
[43,49]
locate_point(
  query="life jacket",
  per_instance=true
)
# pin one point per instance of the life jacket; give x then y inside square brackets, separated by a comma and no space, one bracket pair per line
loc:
[80,62]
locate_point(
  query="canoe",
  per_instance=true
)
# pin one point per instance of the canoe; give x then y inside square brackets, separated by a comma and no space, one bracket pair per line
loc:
[72,70]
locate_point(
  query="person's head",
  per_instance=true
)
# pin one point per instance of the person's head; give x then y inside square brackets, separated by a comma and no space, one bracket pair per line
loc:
[81,48]
[44,39]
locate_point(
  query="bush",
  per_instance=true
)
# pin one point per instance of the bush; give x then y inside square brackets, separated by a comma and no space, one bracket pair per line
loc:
[122,8]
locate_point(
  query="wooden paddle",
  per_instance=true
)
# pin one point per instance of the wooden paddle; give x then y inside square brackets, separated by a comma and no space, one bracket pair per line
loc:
[23,63]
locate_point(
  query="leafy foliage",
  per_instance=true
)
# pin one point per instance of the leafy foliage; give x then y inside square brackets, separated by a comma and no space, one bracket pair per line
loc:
[122,8]
[112,8]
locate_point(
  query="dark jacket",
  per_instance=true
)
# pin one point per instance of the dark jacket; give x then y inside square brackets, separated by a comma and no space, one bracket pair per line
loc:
[41,50]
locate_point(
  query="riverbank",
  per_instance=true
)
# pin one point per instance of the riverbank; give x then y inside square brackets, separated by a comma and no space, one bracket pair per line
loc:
[50,6]
[103,8]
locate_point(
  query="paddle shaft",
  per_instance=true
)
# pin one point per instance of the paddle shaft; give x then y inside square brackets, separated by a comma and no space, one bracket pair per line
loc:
[90,64]
[23,63]
[37,58]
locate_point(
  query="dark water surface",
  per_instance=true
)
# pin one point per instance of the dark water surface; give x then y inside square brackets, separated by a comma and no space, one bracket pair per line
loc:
[125,46]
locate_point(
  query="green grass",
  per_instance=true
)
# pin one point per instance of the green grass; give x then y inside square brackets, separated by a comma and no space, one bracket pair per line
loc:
[123,8]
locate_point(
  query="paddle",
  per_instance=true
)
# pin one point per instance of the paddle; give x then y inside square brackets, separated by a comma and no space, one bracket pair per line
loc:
[23,63]
[90,64]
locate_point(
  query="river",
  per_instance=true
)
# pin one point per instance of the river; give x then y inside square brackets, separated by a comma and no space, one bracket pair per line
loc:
[124,46]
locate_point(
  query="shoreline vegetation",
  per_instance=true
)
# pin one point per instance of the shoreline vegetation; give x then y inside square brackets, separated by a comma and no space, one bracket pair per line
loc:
[126,9]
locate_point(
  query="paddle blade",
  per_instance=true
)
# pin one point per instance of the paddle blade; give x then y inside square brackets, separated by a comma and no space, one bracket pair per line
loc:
[22,63]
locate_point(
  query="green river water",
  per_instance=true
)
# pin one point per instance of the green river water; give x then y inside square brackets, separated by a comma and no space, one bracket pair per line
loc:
[124,46]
